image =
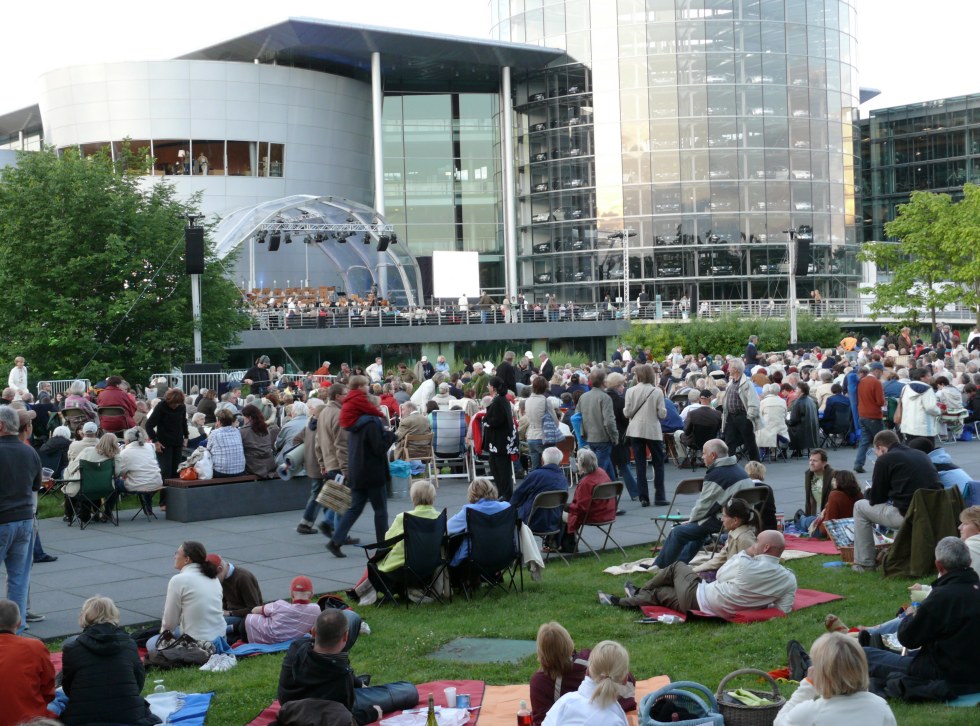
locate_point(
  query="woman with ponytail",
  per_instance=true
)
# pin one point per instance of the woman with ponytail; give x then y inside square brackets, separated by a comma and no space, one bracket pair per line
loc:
[193,605]
[595,701]
[137,466]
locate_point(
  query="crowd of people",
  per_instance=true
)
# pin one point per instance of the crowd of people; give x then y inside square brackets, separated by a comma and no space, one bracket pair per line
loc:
[526,416]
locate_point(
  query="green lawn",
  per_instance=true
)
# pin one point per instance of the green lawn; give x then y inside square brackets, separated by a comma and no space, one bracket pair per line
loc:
[402,640]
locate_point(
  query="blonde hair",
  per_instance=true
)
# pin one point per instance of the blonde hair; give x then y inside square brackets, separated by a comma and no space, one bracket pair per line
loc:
[98,609]
[971,515]
[840,667]
[756,470]
[422,492]
[609,664]
[554,649]
[108,446]
[480,488]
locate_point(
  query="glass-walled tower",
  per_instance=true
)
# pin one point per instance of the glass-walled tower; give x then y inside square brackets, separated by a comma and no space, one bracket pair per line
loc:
[707,128]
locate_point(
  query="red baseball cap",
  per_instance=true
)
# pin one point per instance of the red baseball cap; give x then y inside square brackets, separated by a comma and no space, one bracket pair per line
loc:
[301,583]
[214,559]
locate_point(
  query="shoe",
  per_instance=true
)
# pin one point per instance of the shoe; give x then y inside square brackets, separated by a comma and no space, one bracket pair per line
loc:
[45,558]
[335,549]
[326,529]
[644,502]
[796,517]
[629,588]
[661,503]
[620,512]
[798,659]
[304,528]
[365,630]
[34,617]
[607,599]
[352,541]
[858,470]
[862,568]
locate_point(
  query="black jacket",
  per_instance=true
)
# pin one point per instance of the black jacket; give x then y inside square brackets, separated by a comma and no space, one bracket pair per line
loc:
[899,473]
[499,436]
[103,677]
[308,674]
[167,425]
[367,453]
[508,374]
[548,368]
[57,449]
[946,628]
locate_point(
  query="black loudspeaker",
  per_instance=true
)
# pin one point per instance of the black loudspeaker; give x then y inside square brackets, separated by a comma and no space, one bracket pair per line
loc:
[802,257]
[425,269]
[274,242]
[194,250]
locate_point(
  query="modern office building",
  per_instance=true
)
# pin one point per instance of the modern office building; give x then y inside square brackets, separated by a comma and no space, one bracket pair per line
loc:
[591,148]
[932,146]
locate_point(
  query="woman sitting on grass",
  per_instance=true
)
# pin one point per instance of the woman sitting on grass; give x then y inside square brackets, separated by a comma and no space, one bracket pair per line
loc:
[835,689]
[595,700]
[562,671]
[742,524]
[845,492]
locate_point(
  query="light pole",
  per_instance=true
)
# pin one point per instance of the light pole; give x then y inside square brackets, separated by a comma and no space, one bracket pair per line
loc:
[792,284]
[194,256]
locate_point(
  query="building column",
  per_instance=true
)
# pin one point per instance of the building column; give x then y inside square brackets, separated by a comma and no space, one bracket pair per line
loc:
[510,184]
[377,107]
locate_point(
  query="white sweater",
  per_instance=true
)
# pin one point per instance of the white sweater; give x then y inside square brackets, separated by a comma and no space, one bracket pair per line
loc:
[138,464]
[806,708]
[194,604]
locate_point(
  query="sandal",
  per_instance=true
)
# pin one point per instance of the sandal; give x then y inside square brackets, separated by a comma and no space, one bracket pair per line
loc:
[834,624]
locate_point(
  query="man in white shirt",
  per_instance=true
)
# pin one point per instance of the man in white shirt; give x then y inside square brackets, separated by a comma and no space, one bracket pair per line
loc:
[751,580]
[376,371]
[18,378]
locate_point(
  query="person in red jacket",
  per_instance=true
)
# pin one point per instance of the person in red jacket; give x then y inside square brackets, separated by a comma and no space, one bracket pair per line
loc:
[27,686]
[871,402]
[113,395]
[578,508]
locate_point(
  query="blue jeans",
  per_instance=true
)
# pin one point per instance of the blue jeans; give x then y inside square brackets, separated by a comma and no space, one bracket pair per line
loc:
[312,507]
[882,663]
[377,495]
[684,541]
[16,548]
[869,428]
[656,448]
[603,455]
[624,472]
[534,449]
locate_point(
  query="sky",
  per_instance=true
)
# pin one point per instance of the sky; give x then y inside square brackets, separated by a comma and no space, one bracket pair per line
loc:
[911,50]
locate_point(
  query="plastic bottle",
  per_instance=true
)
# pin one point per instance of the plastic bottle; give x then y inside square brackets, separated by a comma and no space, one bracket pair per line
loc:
[524,715]
[430,720]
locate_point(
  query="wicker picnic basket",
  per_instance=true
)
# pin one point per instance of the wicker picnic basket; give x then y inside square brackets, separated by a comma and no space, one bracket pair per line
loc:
[738,714]
[847,553]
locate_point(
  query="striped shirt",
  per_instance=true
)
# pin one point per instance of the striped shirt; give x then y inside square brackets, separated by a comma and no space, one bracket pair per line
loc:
[281,621]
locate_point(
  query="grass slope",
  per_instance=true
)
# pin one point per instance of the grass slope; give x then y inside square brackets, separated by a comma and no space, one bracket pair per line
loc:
[402,640]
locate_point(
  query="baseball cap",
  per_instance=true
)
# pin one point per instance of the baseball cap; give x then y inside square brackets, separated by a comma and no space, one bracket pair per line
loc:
[90,428]
[443,386]
[425,359]
[301,583]
[214,559]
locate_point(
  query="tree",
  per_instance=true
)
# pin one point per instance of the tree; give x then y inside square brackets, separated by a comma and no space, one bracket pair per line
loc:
[962,249]
[918,261]
[93,264]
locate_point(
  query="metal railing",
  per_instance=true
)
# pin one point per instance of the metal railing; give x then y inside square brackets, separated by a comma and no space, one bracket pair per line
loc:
[846,309]
[61,386]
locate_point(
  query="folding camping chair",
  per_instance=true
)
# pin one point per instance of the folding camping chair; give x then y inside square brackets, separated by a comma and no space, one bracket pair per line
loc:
[449,440]
[96,485]
[684,487]
[495,557]
[425,561]
[602,492]
[545,501]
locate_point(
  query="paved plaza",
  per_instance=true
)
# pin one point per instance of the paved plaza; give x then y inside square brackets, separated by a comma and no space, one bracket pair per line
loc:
[132,563]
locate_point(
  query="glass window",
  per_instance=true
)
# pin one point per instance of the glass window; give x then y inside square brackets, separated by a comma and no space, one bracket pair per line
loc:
[209,158]
[136,148]
[554,20]
[172,156]
[576,15]
[666,166]
[748,36]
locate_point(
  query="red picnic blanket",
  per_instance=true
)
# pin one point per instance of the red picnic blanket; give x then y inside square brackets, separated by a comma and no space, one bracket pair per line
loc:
[804,599]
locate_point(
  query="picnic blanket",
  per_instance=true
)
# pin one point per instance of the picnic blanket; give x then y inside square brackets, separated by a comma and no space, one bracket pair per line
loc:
[244,650]
[187,709]
[804,599]
[500,703]
[475,689]
[811,544]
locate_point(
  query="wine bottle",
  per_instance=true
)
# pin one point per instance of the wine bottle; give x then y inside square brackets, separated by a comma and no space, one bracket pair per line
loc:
[523,715]
[431,718]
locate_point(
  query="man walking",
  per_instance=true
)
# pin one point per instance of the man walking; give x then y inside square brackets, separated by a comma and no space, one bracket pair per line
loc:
[871,401]
[20,476]
[599,428]
[741,411]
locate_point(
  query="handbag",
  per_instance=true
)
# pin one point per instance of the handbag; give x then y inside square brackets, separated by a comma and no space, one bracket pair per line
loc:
[188,474]
[550,433]
[174,652]
[334,495]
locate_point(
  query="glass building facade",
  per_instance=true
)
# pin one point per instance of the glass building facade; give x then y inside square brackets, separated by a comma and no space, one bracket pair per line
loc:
[678,140]
[932,146]
[442,182]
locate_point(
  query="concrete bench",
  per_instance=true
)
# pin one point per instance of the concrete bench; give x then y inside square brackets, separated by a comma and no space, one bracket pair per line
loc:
[201,499]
